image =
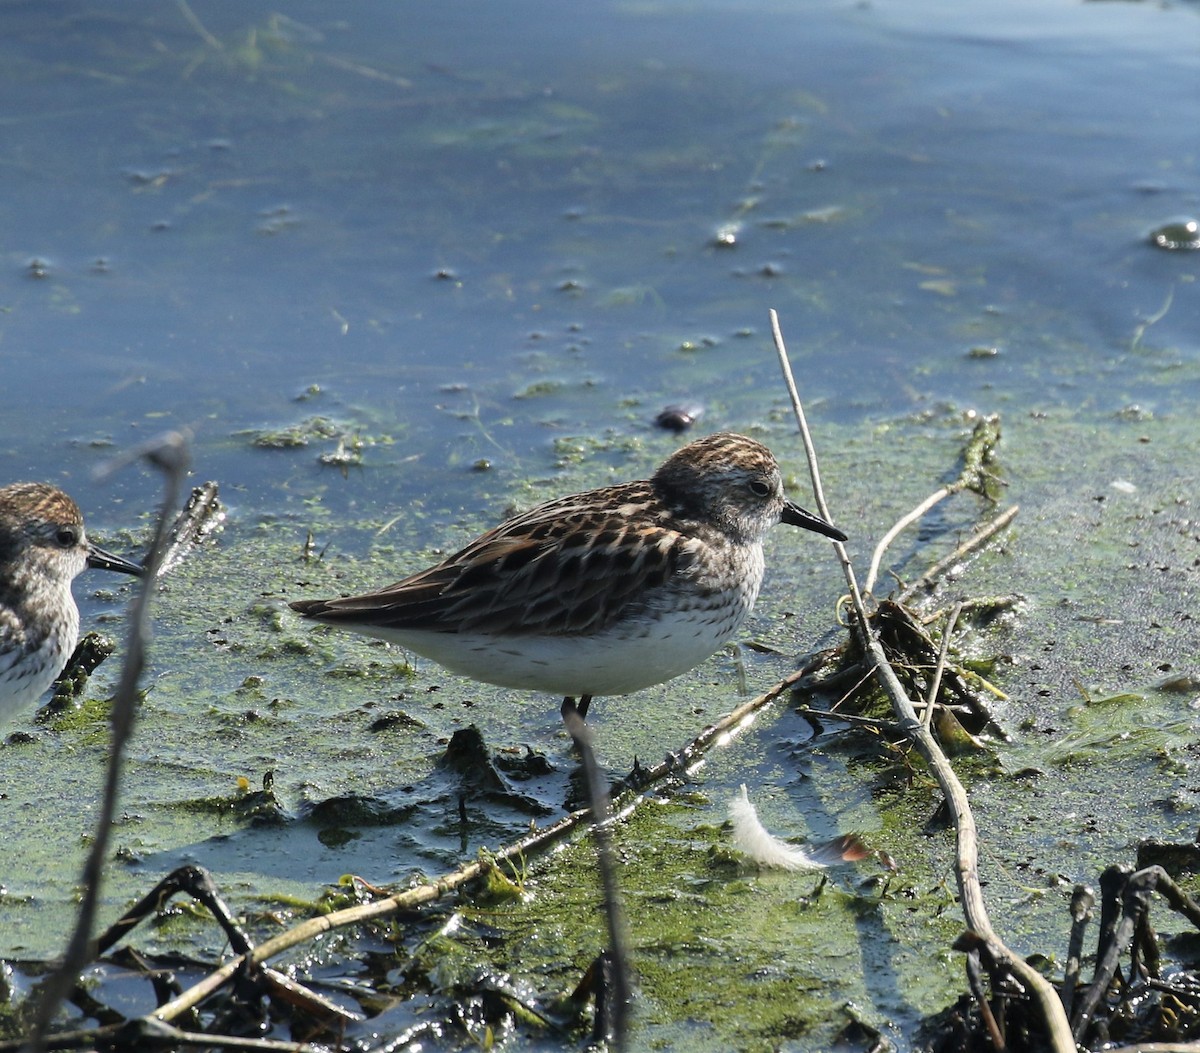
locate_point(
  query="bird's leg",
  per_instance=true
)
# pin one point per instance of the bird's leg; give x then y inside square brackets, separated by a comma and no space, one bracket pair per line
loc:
[568,704]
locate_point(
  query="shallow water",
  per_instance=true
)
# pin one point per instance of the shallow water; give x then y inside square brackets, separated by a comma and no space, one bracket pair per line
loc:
[485,246]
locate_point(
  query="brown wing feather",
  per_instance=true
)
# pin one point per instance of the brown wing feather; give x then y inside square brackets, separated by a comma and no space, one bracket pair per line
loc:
[562,567]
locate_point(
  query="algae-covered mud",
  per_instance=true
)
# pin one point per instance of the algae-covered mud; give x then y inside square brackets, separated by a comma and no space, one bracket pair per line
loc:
[354,736]
[399,272]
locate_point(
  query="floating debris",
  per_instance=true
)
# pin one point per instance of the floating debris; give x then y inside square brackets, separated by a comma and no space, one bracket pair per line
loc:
[292,435]
[726,236]
[276,220]
[753,839]
[347,454]
[1178,235]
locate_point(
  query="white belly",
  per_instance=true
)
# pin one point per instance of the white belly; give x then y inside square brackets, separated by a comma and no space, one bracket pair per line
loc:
[624,659]
[25,675]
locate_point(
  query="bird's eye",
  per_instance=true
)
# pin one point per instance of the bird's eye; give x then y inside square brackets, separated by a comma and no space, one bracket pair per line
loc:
[67,536]
[759,488]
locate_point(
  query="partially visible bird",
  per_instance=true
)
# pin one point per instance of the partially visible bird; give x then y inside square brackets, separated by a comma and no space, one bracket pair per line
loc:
[600,593]
[43,547]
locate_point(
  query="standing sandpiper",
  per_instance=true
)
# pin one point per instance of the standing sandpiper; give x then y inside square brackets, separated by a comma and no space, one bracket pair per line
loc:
[601,593]
[42,548]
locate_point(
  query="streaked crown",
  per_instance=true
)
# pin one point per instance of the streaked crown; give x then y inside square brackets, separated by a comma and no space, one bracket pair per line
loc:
[42,525]
[728,480]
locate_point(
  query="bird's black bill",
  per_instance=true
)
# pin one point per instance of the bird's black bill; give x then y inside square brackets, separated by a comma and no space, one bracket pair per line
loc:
[98,559]
[794,515]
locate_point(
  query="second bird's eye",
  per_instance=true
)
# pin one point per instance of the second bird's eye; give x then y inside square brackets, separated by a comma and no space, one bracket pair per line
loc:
[759,488]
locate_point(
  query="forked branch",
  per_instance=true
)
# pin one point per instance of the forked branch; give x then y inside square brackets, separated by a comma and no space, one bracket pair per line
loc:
[1058,1030]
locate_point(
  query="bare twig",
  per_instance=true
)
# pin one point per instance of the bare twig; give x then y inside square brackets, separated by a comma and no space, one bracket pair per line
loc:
[145,1034]
[878,724]
[191,19]
[1140,330]
[973,476]
[798,408]
[617,1001]
[197,883]
[966,860]
[981,536]
[936,683]
[904,521]
[1155,1047]
[901,632]
[975,981]
[1125,902]
[170,455]
[1082,901]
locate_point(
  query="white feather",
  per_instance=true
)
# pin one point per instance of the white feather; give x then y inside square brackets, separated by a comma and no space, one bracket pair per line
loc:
[752,838]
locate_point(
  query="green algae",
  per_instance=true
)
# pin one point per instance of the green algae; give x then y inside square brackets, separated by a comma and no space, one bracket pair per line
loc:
[723,955]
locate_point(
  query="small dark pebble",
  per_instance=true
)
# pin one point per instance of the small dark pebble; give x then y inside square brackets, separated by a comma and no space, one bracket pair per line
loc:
[681,417]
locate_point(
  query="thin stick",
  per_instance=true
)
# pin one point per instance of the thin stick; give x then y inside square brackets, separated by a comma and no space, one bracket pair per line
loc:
[936,683]
[1140,330]
[798,408]
[617,1001]
[897,527]
[145,1035]
[966,860]
[1082,902]
[975,982]
[880,724]
[811,453]
[981,536]
[170,455]
[973,476]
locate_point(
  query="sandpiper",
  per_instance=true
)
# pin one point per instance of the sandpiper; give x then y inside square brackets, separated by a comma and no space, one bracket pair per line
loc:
[600,593]
[42,548]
